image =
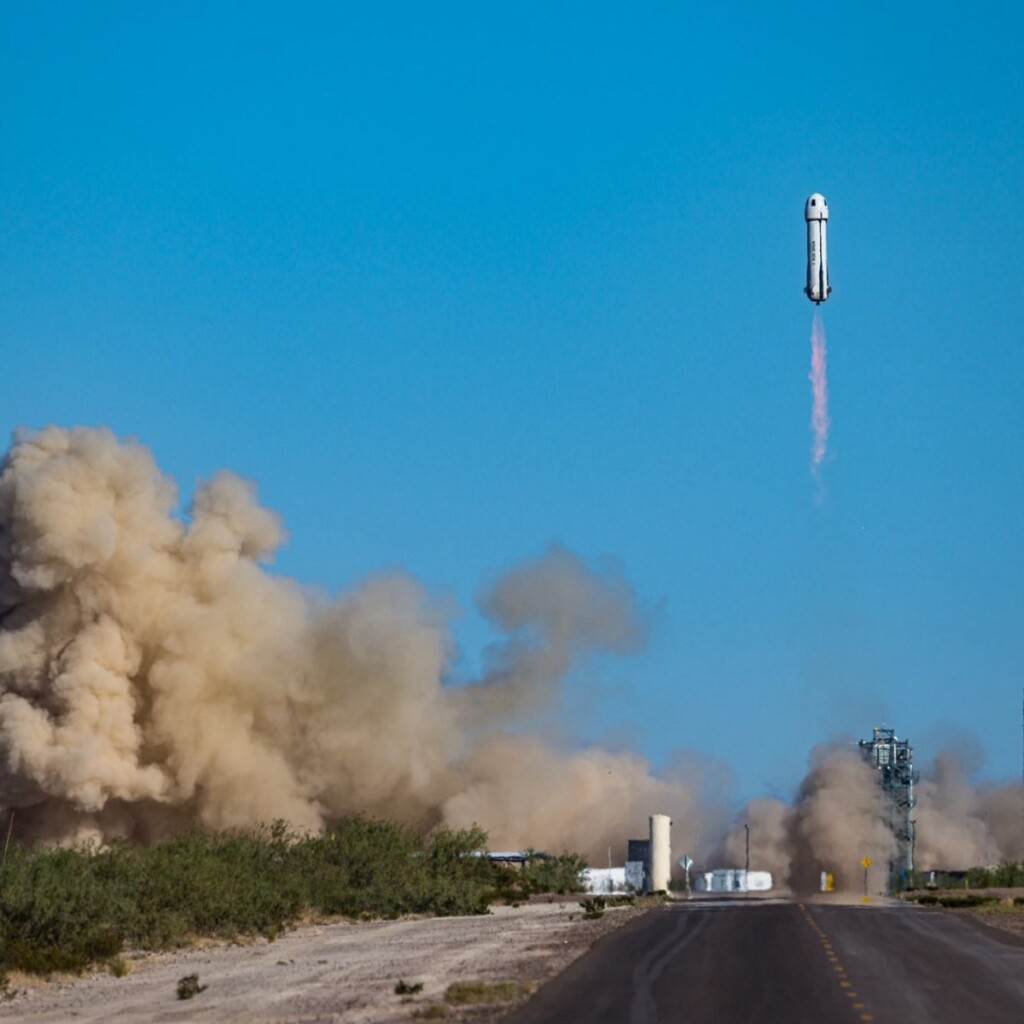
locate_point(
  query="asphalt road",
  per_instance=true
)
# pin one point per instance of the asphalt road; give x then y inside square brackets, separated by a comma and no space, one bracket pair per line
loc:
[730,962]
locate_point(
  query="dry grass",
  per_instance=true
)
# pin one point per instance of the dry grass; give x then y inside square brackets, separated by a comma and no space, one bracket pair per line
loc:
[998,908]
[435,1011]
[1002,909]
[119,967]
[476,993]
[1007,917]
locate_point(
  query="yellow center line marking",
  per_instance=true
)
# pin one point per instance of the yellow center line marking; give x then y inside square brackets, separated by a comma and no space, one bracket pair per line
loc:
[844,984]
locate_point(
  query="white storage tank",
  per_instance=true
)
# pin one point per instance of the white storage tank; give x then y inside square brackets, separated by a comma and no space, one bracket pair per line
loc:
[734,880]
[661,853]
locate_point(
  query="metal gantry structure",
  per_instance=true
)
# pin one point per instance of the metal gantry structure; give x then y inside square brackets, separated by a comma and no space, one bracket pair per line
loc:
[893,759]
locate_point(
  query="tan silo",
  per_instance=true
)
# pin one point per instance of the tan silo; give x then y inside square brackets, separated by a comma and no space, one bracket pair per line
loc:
[661,853]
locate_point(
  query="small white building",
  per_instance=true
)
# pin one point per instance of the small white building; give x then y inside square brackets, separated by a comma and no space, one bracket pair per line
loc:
[733,880]
[605,881]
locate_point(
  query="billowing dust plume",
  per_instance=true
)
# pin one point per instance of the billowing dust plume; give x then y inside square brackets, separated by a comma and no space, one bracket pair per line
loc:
[960,824]
[820,422]
[839,816]
[154,675]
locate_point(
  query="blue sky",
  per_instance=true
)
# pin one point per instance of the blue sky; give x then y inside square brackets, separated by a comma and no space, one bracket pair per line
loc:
[451,283]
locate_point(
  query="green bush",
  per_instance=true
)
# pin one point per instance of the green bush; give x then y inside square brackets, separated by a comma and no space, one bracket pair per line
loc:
[62,909]
[954,900]
[542,873]
[561,874]
[967,901]
[1005,876]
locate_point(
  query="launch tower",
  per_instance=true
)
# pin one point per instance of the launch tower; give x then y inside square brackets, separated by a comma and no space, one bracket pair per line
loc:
[893,760]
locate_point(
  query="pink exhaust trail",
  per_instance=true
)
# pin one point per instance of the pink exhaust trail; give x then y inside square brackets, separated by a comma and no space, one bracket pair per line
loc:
[820,422]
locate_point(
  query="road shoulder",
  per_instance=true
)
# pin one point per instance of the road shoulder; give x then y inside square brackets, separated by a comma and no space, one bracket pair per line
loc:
[340,971]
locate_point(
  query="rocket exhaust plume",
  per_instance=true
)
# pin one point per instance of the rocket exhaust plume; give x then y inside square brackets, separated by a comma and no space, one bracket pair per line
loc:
[820,422]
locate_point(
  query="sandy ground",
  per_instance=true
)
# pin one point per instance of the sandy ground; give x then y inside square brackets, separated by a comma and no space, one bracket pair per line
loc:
[329,972]
[1006,919]
[1004,915]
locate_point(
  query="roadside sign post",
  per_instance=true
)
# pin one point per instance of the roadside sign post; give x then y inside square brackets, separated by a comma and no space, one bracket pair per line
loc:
[686,862]
[866,864]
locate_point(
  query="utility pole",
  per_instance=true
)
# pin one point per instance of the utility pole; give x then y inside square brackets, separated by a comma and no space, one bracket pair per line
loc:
[913,853]
[7,841]
[747,830]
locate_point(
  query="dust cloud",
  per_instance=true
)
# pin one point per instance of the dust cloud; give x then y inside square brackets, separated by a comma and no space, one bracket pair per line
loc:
[839,816]
[960,824]
[154,675]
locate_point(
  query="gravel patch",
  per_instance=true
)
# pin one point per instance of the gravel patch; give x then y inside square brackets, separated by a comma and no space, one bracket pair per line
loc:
[324,973]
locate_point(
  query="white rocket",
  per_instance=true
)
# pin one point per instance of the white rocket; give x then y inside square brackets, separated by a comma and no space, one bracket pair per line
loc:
[816,214]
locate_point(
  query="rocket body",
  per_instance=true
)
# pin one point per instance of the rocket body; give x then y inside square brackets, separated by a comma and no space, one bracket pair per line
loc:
[816,215]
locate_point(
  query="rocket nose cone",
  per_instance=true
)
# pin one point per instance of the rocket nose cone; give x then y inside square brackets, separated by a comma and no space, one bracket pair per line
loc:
[816,207]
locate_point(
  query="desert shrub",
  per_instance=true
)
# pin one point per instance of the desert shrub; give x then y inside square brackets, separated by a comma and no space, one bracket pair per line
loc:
[542,873]
[474,993]
[435,1011]
[561,874]
[1003,876]
[189,987]
[954,901]
[967,901]
[1008,875]
[119,967]
[62,909]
